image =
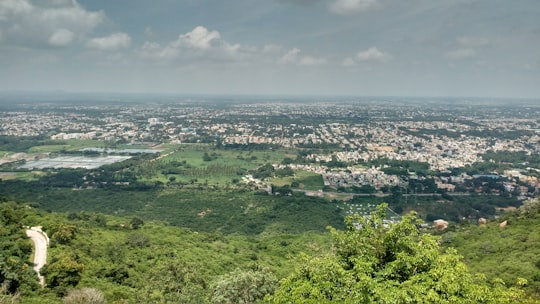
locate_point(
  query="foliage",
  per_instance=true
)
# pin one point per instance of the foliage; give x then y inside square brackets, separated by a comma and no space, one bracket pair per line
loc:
[84,295]
[6,297]
[202,210]
[243,287]
[63,271]
[16,273]
[188,267]
[503,253]
[153,264]
[23,143]
[378,262]
[136,223]
[63,233]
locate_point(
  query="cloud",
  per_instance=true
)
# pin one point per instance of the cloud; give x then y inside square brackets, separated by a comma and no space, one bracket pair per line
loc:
[272,49]
[349,7]
[459,54]
[153,50]
[47,22]
[373,55]
[347,62]
[112,42]
[294,57]
[199,37]
[199,43]
[61,37]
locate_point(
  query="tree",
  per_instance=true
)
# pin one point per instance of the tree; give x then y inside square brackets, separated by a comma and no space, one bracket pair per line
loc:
[62,272]
[136,223]
[63,233]
[377,262]
[207,157]
[243,287]
[85,295]
[6,297]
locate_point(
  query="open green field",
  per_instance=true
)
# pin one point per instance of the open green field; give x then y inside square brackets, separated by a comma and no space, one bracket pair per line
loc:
[66,145]
[201,163]
[306,180]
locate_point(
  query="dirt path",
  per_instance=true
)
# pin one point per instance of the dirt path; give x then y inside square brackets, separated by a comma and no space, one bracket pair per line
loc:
[41,241]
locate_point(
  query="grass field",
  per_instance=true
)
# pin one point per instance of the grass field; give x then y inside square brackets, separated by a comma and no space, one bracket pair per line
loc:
[220,167]
[306,180]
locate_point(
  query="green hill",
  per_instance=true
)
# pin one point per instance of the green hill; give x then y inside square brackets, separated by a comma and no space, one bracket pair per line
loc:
[131,261]
[127,260]
[503,252]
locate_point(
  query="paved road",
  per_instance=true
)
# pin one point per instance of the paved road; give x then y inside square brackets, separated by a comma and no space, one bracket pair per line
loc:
[41,241]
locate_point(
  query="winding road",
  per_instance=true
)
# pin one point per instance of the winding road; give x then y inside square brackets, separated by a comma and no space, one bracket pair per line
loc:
[41,242]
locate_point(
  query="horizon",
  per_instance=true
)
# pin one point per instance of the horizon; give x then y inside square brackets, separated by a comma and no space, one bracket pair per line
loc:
[102,94]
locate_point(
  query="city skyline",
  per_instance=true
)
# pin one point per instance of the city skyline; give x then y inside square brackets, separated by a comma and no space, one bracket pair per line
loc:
[279,47]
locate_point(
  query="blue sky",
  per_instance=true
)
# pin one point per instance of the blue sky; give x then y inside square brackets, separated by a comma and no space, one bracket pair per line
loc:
[480,48]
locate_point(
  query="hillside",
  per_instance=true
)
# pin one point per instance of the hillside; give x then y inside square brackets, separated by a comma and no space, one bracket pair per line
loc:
[115,258]
[119,256]
[505,252]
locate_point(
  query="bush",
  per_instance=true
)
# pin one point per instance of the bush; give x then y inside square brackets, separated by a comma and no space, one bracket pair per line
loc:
[85,295]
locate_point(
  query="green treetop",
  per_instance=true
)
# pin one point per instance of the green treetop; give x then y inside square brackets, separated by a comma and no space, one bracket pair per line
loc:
[377,262]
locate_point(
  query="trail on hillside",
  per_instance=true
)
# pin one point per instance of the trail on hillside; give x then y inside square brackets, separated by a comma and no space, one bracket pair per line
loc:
[41,242]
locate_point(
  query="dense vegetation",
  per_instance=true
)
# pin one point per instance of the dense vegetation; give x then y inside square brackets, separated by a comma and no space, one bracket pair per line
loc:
[201,210]
[114,258]
[505,252]
[376,263]
[120,256]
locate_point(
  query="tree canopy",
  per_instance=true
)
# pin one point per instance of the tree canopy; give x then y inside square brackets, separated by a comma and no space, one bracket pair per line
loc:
[374,261]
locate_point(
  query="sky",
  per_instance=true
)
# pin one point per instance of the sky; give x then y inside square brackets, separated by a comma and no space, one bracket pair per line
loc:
[475,48]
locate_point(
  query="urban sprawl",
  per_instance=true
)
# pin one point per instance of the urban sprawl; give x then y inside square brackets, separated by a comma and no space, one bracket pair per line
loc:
[445,135]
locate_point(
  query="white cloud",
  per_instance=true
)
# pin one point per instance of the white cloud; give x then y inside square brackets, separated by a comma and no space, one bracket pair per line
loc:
[459,54]
[294,57]
[8,7]
[310,60]
[199,37]
[373,55]
[112,42]
[47,22]
[61,37]
[348,7]
[291,56]
[153,50]
[271,49]
[199,43]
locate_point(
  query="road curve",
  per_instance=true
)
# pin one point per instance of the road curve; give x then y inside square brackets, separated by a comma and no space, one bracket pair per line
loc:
[41,241]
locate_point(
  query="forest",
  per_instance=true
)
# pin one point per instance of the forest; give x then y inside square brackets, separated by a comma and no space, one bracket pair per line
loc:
[92,255]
